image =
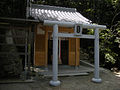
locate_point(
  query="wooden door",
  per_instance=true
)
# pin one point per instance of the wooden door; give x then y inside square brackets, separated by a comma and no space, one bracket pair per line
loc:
[71,51]
[39,50]
[74,46]
[77,61]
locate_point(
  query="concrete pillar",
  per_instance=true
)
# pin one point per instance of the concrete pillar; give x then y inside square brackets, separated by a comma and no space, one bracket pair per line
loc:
[55,81]
[96,57]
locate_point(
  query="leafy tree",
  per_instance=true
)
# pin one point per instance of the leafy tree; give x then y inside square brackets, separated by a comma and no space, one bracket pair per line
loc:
[13,8]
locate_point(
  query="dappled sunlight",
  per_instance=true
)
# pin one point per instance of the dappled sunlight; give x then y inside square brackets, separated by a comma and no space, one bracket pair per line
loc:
[117,74]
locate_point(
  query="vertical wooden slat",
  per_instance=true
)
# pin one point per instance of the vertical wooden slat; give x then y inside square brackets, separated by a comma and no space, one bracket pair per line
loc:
[77,51]
[71,51]
[74,51]
[39,48]
[29,48]
[35,43]
[26,55]
[46,48]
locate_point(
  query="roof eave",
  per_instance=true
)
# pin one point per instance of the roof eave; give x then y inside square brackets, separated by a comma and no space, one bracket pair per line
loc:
[72,24]
[4,19]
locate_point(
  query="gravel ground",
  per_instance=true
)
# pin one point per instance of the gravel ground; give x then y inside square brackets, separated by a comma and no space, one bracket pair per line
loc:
[109,82]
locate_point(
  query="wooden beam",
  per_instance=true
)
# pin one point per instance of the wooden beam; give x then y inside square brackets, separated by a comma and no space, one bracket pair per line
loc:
[12,44]
[60,29]
[13,36]
[29,48]
[26,51]
[9,53]
[19,20]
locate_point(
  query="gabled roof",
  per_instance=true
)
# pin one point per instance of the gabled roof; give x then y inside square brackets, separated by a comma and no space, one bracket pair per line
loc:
[53,13]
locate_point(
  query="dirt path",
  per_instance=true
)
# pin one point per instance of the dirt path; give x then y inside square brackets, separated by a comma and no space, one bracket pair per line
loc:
[110,82]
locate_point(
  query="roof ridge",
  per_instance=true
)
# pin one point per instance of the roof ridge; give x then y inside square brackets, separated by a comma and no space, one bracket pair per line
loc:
[48,7]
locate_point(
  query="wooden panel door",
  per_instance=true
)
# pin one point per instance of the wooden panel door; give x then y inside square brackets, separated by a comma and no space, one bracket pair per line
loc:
[77,52]
[74,47]
[40,50]
[71,51]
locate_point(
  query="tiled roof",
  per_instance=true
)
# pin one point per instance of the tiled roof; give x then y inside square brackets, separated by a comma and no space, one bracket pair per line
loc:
[53,13]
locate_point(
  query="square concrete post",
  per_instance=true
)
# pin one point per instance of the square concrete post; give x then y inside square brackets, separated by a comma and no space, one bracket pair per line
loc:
[96,57]
[55,81]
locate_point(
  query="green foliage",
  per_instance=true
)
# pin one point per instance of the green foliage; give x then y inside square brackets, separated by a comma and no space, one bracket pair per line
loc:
[117,35]
[13,8]
[109,58]
[11,65]
[91,31]
[109,45]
